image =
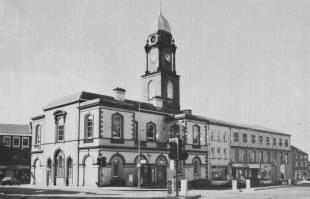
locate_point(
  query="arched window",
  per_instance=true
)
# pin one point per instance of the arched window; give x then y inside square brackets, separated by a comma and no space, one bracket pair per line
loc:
[59,165]
[117,126]
[60,119]
[69,165]
[89,126]
[196,135]
[237,156]
[117,166]
[135,130]
[170,89]
[151,131]
[150,90]
[37,139]
[196,163]
[174,131]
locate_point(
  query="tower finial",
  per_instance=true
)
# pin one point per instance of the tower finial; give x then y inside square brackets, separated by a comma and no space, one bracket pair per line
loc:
[160,8]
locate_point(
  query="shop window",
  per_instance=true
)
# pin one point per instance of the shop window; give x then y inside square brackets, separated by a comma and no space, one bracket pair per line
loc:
[16,142]
[265,173]
[212,135]
[219,172]
[7,141]
[117,126]
[260,138]
[274,141]
[236,137]
[253,139]
[196,135]
[267,141]
[151,131]
[244,138]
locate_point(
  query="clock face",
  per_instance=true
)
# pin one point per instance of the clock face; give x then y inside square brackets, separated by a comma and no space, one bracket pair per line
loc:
[153,39]
[168,57]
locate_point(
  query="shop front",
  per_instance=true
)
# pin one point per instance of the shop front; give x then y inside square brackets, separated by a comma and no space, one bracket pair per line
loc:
[265,174]
[219,175]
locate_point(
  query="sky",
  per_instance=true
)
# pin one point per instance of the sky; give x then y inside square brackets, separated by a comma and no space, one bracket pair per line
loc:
[245,61]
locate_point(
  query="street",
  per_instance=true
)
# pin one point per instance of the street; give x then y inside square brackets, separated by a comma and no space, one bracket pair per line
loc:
[29,192]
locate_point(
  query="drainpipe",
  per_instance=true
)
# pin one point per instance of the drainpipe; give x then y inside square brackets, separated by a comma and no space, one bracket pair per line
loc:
[78,151]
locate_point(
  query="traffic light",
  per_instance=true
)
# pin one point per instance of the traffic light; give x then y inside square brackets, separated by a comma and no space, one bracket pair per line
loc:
[184,155]
[102,161]
[174,148]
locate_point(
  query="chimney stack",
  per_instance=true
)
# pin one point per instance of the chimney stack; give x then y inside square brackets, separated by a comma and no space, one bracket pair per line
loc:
[119,94]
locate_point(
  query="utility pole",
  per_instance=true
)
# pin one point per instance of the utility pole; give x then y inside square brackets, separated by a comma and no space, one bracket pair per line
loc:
[139,155]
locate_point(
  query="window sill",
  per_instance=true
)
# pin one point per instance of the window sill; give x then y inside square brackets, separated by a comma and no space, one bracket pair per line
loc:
[195,146]
[117,141]
[88,140]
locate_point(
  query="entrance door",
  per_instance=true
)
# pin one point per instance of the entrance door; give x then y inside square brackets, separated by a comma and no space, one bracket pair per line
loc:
[90,173]
[161,170]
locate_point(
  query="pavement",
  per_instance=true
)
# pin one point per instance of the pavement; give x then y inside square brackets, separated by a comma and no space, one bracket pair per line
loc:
[31,191]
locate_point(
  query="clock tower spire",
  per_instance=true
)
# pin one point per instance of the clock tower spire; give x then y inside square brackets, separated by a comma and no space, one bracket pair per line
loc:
[160,80]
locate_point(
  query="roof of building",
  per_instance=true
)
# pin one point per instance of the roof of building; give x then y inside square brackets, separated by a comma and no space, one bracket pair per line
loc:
[136,105]
[14,129]
[295,149]
[160,23]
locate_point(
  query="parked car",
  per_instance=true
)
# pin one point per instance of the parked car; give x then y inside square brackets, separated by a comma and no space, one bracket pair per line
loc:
[9,181]
[304,181]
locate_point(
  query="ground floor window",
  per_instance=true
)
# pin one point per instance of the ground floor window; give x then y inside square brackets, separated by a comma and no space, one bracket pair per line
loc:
[219,172]
[265,172]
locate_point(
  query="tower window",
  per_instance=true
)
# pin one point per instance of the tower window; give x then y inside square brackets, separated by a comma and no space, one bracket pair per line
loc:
[60,118]
[170,89]
[89,126]
[196,135]
[150,90]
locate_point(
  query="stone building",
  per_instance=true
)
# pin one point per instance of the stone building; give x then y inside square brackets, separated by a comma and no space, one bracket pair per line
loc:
[15,145]
[75,130]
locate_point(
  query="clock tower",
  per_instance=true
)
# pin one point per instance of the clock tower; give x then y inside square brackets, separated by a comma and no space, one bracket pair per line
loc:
[160,80]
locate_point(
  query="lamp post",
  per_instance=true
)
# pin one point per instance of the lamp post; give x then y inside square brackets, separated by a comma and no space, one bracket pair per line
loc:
[139,156]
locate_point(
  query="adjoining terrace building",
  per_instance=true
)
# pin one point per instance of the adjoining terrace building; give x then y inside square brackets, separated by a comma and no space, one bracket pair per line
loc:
[299,163]
[15,145]
[74,131]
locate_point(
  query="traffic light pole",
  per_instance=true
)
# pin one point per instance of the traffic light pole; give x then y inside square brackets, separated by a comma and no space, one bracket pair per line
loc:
[176,177]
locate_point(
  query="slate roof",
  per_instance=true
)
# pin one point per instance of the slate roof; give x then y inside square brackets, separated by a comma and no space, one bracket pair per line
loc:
[14,129]
[295,149]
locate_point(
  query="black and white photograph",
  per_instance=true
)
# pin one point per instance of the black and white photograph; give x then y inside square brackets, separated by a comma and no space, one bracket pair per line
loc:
[154,99]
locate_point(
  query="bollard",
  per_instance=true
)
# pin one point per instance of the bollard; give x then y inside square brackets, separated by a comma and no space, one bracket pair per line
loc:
[248,184]
[183,187]
[234,185]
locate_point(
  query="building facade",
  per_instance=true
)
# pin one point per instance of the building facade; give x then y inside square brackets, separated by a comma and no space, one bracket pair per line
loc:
[15,145]
[300,163]
[75,130]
